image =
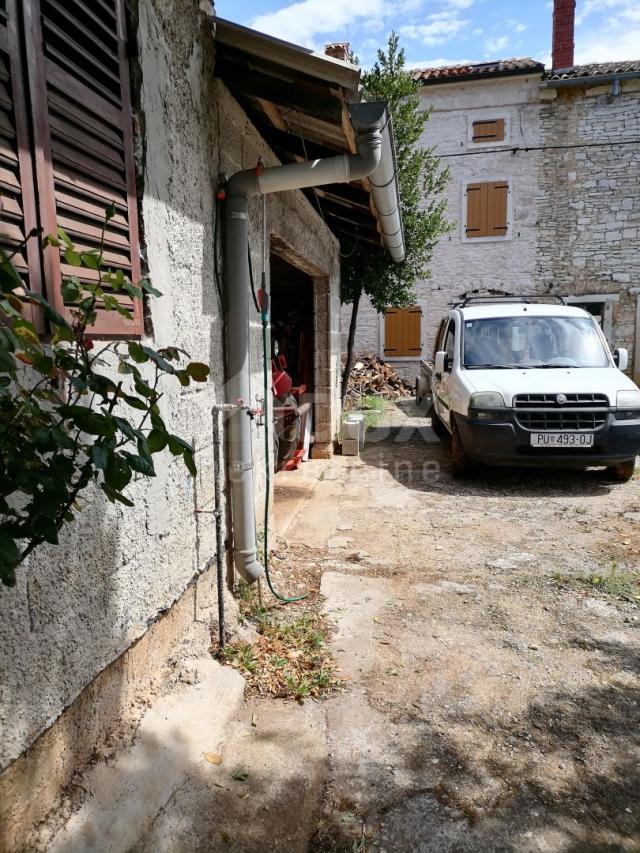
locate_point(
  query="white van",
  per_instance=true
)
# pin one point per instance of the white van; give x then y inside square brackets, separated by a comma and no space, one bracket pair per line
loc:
[526,382]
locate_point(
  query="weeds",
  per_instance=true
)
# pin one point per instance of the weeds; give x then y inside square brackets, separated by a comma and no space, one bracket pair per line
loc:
[617,583]
[290,659]
[372,406]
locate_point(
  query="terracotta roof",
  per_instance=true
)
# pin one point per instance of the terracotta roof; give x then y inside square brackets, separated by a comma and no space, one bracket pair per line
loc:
[601,69]
[496,68]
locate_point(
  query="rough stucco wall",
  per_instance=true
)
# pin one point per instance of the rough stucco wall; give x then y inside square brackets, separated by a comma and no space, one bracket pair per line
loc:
[459,266]
[79,606]
[589,204]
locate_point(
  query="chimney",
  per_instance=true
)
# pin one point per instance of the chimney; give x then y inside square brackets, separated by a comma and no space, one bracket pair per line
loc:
[338,50]
[564,12]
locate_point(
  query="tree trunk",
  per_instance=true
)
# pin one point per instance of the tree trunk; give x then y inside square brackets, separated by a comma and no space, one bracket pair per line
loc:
[350,344]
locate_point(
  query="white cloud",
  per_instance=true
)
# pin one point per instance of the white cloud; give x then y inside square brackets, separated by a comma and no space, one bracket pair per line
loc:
[494,47]
[302,22]
[438,31]
[607,30]
[608,47]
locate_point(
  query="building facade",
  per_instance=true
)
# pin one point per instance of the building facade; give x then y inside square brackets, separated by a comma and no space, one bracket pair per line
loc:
[544,194]
[97,623]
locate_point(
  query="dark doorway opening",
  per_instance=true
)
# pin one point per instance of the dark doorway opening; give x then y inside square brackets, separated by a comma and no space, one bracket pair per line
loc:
[292,353]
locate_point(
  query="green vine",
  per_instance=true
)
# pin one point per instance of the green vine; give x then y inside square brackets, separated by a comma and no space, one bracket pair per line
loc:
[71,413]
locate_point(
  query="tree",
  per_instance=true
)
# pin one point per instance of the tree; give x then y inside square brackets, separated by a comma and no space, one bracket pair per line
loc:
[64,421]
[421,179]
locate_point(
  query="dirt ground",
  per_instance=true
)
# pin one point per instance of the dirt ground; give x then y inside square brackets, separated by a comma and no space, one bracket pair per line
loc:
[489,634]
[491,630]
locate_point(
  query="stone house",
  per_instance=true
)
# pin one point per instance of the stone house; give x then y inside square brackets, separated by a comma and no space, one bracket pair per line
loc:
[151,104]
[544,193]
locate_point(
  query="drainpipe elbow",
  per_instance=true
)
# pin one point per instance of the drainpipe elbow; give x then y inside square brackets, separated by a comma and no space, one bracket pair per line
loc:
[362,164]
[244,184]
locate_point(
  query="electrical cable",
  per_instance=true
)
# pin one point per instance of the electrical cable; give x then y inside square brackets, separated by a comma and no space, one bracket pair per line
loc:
[216,268]
[253,284]
[528,148]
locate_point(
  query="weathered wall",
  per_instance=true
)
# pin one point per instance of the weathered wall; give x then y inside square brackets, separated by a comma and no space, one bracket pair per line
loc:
[78,607]
[589,201]
[576,213]
[458,265]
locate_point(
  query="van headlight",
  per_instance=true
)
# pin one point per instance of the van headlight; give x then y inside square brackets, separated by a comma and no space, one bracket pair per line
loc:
[628,400]
[487,400]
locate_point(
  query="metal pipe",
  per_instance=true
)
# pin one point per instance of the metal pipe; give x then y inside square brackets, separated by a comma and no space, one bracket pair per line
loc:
[218,468]
[241,187]
[383,179]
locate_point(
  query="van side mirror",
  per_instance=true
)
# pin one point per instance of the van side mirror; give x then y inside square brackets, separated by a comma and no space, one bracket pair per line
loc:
[621,358]
[440,363]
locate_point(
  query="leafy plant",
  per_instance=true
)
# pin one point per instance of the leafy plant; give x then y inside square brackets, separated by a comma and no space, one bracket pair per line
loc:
[72,412]
[421,179]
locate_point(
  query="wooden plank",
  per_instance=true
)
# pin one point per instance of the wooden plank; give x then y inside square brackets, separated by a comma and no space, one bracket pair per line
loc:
[79,206]
[499,192]
[132,199]
[85,163]
[27,197]
[272,113]
[475,201]
[85,185]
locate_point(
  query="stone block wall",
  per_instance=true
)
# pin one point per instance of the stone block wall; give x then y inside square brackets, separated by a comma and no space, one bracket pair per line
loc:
[589,200]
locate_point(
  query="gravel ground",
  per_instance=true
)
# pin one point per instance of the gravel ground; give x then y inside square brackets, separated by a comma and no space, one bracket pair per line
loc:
[491,629]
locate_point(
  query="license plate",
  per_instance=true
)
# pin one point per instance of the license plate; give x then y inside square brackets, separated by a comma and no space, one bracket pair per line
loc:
[562,439]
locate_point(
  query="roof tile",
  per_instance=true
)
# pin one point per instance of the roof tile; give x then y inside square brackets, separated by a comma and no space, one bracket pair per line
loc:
[496,68]
[599,69]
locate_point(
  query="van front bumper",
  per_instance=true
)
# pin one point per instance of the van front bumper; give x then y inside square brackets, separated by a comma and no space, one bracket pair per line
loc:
[501,440]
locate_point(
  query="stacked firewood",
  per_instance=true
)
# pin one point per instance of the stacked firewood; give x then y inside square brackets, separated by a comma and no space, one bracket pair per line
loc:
[371,375]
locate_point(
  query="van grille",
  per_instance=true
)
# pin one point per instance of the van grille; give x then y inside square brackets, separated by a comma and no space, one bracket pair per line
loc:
[549,401]
[581,412]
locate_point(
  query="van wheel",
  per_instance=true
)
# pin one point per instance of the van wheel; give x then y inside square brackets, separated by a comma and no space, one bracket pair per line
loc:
[437,426]
[623,471]
[461,463]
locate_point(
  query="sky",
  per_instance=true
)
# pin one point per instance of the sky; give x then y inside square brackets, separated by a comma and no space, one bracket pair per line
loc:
[445,32]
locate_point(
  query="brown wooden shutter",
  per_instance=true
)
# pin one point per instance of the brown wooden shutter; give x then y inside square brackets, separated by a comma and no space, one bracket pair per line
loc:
[402,332]
[487,209]
[497,209]
[18,204]
[81,106]
[393,332]
[412,323]
[488,130]
[476,206]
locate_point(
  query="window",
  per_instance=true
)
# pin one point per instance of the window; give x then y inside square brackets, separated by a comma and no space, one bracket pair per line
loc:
[450,344]
[78,157]
[600,306]
[488,130]
[403,332]
[487,207]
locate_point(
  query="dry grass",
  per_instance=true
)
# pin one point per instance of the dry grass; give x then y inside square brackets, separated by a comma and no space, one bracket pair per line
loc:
[290,658]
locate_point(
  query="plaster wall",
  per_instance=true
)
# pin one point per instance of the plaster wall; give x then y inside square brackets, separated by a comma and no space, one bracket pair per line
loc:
[80,606]
[461,265]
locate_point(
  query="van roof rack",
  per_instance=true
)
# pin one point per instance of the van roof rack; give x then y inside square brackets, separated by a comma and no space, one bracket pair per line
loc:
[505,297]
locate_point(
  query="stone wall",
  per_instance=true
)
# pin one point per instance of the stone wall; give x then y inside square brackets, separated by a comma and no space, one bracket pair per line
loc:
[79,607]
[589,200]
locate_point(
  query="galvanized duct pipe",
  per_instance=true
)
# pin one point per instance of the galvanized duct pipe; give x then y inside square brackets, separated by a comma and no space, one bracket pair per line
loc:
[383,180]
[373,146]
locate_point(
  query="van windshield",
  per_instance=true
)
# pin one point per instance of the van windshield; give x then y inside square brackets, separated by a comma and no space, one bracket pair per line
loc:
[536,342]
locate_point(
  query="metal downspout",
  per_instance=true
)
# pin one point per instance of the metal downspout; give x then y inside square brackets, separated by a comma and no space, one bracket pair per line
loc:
[240,188]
